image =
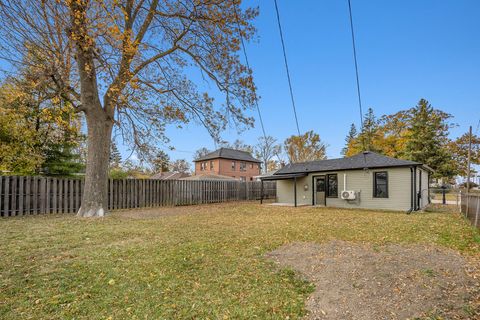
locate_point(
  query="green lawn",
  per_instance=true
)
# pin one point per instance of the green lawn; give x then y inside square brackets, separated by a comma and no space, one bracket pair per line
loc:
[190,262]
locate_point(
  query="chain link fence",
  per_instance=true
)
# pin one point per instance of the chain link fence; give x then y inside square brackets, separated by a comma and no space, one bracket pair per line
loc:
[470,207]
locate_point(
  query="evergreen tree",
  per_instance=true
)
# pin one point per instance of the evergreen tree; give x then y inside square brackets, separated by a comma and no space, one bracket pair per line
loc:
[369,132]
[428,139]
[115,156]
[161,162]
[62,160]
[352,135]
[367,139]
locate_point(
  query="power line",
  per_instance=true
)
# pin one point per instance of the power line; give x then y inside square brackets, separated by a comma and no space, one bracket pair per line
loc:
[286,66]
[248,66]
[356,67]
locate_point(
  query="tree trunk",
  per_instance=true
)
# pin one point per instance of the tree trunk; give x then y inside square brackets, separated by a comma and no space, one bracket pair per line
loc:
[95,194]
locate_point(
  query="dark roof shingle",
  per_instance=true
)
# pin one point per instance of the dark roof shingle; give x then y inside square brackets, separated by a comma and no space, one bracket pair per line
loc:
[362,160]
[227,153]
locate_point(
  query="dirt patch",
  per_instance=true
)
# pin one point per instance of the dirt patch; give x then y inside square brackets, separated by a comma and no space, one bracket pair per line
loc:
[365,282]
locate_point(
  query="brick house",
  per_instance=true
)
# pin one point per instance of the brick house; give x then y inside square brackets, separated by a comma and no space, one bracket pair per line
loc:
[228,162]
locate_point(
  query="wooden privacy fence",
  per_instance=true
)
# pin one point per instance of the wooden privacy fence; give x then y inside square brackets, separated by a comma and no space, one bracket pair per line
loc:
[25,195]
[470,207]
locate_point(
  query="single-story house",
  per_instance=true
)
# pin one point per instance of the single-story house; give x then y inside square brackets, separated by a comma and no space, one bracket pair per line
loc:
[366,180]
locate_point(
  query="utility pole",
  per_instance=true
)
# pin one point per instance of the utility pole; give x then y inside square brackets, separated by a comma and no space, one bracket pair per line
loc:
[469,155]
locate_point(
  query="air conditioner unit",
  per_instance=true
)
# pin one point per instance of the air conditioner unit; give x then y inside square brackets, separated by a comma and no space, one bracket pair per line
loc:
[348,195]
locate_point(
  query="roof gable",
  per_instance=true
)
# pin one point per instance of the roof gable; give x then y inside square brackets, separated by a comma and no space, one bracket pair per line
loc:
[228,153]
[366,159]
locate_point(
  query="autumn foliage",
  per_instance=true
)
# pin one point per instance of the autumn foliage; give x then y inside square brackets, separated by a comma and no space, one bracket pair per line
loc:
[420,134]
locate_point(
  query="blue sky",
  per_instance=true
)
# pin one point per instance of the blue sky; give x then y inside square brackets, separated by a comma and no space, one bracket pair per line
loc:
[407,50]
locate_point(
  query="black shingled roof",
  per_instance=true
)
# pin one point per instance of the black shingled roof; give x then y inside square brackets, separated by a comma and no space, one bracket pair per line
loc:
[366,159]
[227,153]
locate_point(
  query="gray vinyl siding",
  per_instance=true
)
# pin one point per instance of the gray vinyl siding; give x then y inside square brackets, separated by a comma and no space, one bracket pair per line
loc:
[424,190]
[361,181]
[285,191]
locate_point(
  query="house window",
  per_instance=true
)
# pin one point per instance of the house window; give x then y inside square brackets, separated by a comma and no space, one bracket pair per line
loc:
[332,186]
[251,165]
[211,165]
[243,166]
[243,179]
[380,184]
[233,165]
[202,166]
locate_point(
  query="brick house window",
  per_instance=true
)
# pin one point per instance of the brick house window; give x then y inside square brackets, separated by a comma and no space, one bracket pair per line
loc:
[243,179]
[202,166]
[243,166]
[233,165]
[251,165]
[211,165]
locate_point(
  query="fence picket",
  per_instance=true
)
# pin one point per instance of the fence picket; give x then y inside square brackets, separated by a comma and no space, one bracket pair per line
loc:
[13,199]
[6,191]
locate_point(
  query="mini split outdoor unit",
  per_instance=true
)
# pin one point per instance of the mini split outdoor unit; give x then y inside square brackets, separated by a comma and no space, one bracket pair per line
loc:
[348,195]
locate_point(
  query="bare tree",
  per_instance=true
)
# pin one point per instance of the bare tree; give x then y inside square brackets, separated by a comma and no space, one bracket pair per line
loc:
[180,165]
[266,149]
[128,65]
[201,152]
[237,145]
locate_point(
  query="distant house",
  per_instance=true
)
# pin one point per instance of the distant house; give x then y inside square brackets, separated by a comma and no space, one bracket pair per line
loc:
[228,162]
[261,176]
[209,177]
[366,180]
[169,175]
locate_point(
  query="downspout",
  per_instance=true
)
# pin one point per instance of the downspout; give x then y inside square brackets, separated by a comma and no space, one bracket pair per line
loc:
[419,193]
[344,181]
[411,191]
[428,186]
[313,190]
